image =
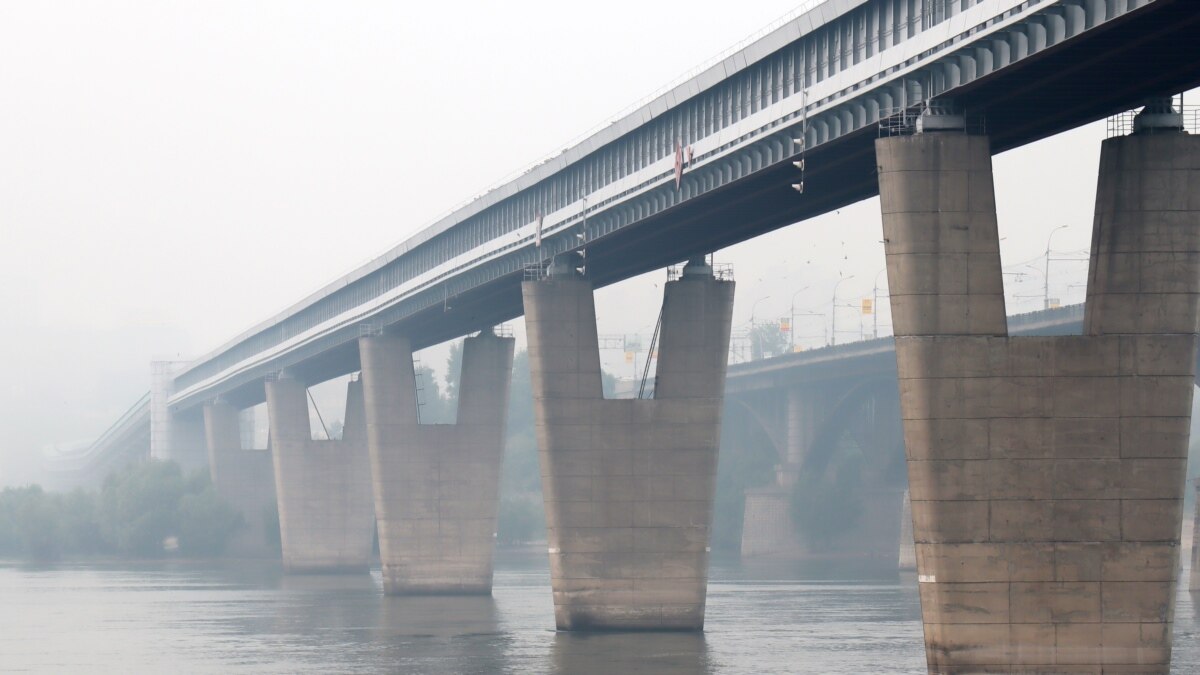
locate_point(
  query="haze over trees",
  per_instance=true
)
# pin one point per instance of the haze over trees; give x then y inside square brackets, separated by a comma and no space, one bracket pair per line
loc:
[141,511]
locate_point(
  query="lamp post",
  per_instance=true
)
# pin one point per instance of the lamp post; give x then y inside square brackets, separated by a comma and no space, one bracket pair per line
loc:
[753,336]
[875,305]
[1046,293]
[833,311]
[792,317]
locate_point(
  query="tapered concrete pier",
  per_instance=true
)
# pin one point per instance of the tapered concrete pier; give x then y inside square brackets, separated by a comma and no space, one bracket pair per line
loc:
[436,486]
[1194,586]
[1046,473]
[243,477]
[628,484]
[326,513]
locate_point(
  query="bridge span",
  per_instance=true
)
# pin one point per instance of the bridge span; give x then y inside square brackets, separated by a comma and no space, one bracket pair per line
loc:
[1032,68]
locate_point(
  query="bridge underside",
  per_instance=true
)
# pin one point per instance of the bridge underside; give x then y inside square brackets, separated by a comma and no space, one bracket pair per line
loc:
[1148,52]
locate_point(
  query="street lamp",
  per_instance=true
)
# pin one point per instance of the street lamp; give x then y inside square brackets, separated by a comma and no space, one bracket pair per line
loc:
[755,307]
[833,310]
[756,337]
[792,316]
[1046,293]
[875,304]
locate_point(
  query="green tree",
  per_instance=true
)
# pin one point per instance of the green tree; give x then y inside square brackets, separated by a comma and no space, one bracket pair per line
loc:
[79,523]
[206,523]
[139,507]
[521,519]
[10,540]
[454,373]
[520,478]
[147,502]
[37,520]
[136,510]
[767,340]
[435,409]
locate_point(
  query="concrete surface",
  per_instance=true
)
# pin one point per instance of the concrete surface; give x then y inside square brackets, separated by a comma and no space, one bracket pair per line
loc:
[243,477]
[326,511]
[628,484]
[1046,473]
[437,486]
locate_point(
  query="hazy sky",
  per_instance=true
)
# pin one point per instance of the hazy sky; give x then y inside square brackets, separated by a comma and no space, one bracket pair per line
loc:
[174,172]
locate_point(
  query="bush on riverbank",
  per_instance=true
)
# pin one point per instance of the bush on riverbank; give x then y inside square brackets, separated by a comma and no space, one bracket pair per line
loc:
[136,510]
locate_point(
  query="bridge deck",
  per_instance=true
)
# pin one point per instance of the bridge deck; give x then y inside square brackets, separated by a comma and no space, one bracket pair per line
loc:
[1033,67]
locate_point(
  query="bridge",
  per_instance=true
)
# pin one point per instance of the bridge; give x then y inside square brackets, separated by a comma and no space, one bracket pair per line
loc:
[811,406]
[829,77]
[1045,471]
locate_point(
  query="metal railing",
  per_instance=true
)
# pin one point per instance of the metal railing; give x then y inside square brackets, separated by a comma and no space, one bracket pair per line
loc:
[904,121]
[1122,124]
[536,271]
[134,411]
[721,271]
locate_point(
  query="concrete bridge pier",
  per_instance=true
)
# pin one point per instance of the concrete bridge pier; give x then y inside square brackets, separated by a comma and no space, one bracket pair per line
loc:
[1046,473]
[629,484]
[437,486]
[768,529]
[907,560]
[244,477]
[326,513]
[174,436]
[1194,584]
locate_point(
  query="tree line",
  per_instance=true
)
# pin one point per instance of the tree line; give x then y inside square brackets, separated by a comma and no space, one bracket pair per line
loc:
[145,510]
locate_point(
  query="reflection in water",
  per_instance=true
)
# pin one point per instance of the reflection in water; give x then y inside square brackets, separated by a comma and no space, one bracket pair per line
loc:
[437,617]
[630,653]
[317,585]
[247,618]
[441,634]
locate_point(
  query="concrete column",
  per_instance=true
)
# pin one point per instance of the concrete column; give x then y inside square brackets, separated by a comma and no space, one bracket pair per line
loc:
[177,437]
[162,378]
[244,478]
[326,513]
[767,526]
[1194,585]
[1046,473]
[801,424]
[437,486]
[805,411]
[628,484]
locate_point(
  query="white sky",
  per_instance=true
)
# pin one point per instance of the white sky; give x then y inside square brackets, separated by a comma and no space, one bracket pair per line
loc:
[174,172]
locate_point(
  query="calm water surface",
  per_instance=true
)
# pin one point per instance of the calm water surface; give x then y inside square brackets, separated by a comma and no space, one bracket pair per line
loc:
[248,618]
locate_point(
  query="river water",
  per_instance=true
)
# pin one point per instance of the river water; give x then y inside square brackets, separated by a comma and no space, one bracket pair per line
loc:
[248,618]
